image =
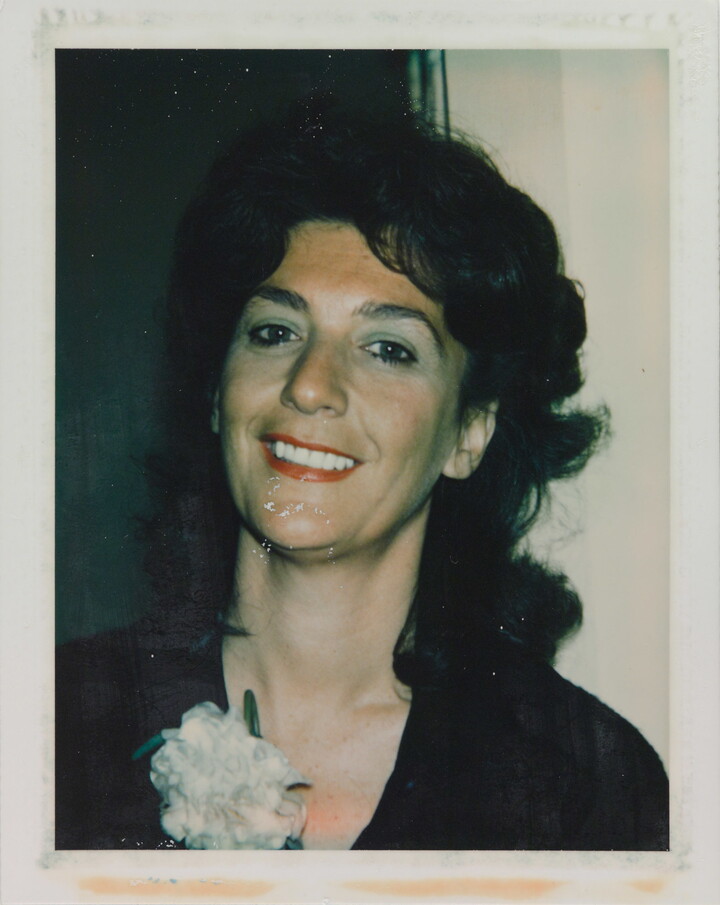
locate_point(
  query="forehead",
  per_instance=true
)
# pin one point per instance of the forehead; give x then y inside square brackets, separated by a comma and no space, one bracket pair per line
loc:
[335,258]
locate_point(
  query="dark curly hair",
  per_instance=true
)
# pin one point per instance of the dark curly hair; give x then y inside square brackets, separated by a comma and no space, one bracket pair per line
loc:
[436,209]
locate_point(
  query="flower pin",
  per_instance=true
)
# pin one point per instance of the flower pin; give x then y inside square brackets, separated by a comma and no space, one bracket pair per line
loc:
[222,785]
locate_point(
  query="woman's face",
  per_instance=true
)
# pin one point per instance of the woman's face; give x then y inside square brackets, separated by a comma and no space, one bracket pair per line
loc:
[338,401]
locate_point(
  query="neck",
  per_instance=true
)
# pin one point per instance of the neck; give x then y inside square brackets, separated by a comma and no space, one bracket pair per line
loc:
[321,630]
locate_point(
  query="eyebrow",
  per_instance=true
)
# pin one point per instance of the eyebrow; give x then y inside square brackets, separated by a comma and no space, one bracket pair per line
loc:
[389,311]
[371,309]
[282,297]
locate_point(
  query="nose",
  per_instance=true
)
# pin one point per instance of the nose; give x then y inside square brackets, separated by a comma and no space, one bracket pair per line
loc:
[317,381]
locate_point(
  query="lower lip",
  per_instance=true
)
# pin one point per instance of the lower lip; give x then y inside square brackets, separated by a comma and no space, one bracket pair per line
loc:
[302,472]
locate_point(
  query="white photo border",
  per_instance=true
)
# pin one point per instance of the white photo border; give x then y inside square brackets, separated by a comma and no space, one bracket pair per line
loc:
[31,870]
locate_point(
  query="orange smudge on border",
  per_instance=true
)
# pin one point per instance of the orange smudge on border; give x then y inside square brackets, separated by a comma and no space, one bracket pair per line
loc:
[175,889]
[459,886]
[656,885]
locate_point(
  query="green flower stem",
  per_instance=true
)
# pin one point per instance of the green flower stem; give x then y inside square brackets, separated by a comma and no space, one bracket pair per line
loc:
[250,714]
[148,746]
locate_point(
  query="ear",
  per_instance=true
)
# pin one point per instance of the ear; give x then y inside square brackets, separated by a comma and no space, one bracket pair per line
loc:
[215,417]
[474,436]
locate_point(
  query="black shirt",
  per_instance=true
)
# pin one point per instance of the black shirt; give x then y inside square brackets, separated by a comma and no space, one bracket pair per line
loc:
[504,755]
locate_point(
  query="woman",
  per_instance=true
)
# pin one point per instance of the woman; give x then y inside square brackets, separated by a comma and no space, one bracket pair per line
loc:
[372,344]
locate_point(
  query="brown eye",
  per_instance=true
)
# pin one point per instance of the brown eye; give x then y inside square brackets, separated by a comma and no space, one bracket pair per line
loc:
[271,335]
[391,353]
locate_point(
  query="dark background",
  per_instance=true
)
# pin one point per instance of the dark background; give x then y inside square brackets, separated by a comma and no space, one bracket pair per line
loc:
[136,132]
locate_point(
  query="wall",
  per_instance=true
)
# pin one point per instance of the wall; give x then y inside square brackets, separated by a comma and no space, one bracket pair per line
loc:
[136,132]
[586,134]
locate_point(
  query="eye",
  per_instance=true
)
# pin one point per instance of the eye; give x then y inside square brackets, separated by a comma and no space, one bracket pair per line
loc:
[271,335]
[391,353]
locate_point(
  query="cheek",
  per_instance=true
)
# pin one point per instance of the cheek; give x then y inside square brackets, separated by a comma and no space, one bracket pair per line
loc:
[430,432]
[241,399]
[235,418]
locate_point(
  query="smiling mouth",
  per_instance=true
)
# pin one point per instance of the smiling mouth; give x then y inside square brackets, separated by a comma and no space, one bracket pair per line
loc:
[307,462]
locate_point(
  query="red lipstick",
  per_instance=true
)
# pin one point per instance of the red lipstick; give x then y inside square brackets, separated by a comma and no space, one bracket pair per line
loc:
[305,472]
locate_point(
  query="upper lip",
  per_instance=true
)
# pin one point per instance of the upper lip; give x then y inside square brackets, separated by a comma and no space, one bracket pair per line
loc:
[320,447]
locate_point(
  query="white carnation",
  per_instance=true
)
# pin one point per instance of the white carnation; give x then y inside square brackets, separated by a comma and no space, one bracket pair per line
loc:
[223,788]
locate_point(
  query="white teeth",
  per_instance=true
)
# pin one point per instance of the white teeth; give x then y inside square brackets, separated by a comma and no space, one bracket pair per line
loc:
[316,459]
[313,458]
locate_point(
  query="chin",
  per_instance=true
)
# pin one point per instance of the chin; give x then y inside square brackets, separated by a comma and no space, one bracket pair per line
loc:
[297,528]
